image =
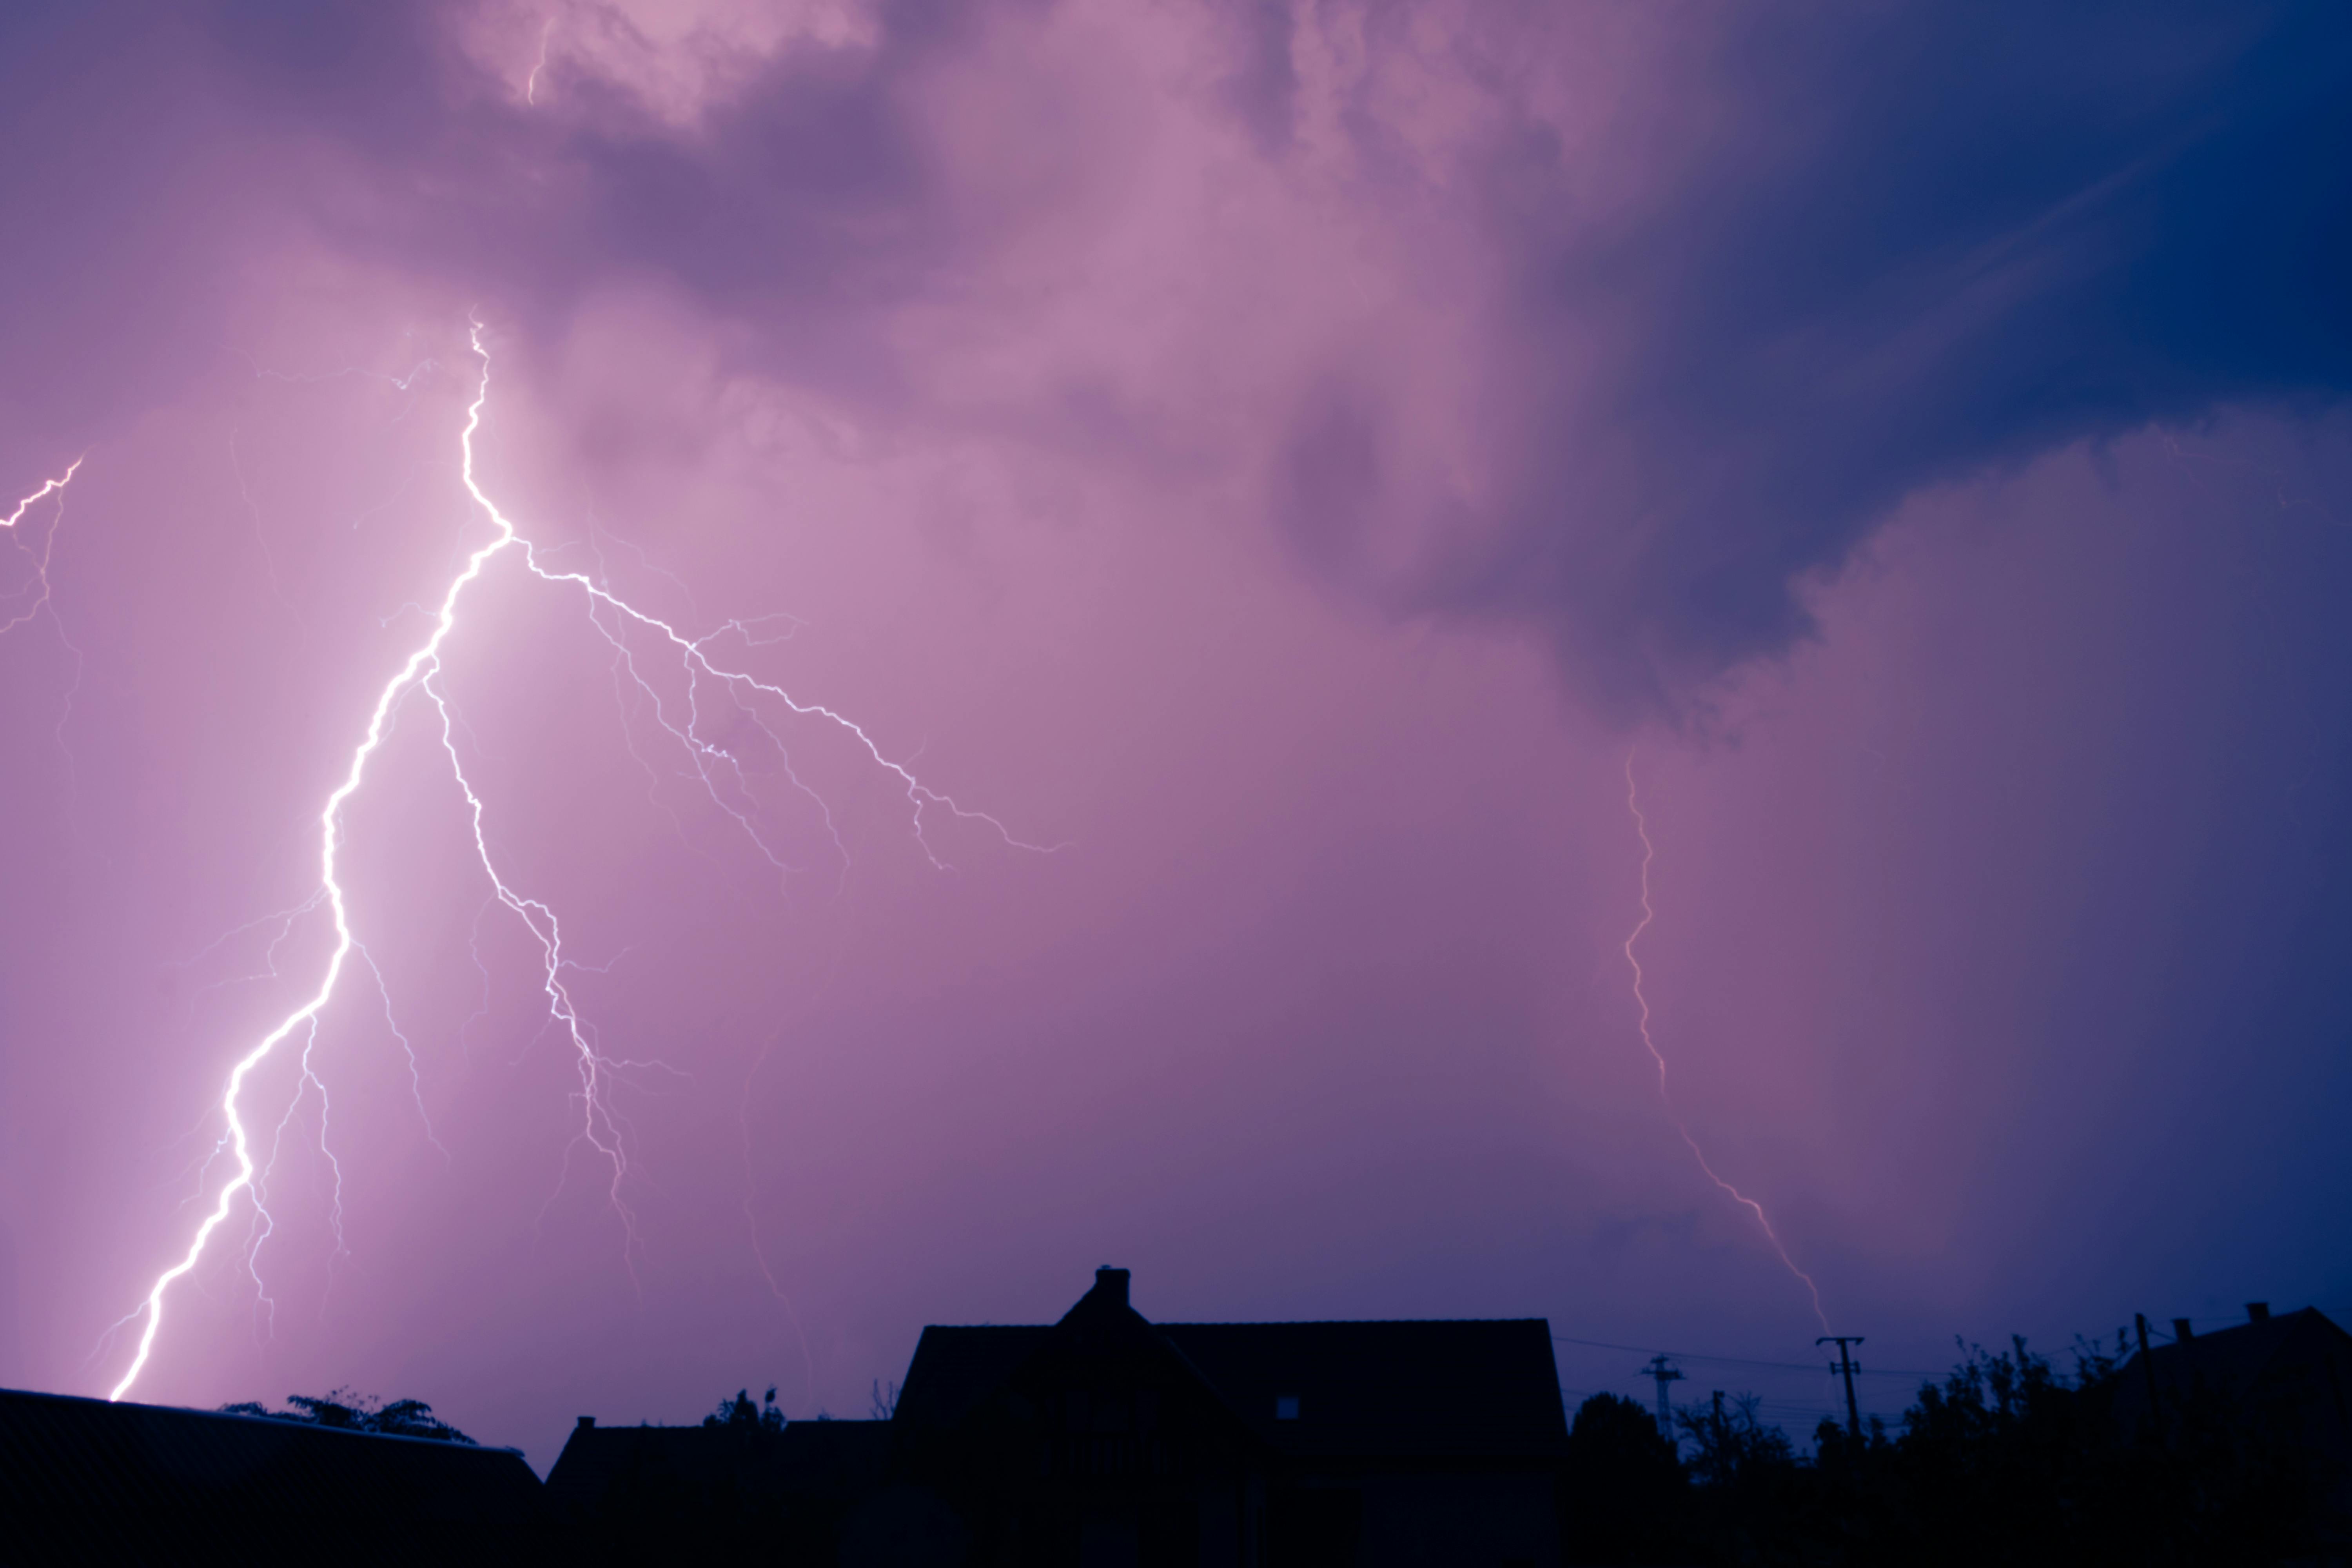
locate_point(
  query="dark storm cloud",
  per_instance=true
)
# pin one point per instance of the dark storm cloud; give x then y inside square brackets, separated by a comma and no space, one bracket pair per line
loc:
[1912,246]
[1263,86]
[794,208]
[153,159]
[1873,250]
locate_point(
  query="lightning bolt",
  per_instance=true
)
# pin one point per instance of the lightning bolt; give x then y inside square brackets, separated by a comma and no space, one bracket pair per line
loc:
[599,1129]
[531,83]
[48,545]
[48,488]
[39,587]
[1649,852]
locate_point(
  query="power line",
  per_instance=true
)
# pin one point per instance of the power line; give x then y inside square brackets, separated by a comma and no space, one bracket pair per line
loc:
[1744,1361]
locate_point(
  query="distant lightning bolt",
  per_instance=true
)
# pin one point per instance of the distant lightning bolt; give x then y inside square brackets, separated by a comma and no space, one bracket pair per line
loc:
[615,620]
[40,598]
[48,546]
[531,83]
[1642,828]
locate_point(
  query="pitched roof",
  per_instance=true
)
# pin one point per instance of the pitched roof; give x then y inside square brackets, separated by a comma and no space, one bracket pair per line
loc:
[1424,1387]
[2270,1357]
[805,1457]
[957,1367]
[116,1472]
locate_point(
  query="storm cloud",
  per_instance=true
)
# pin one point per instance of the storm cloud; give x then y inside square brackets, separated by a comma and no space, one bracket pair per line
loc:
[1626,328]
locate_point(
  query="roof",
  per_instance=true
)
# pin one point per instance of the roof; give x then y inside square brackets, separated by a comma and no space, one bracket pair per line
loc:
[955,1368]
[1460,1388]
[1430,1387]
[113,1473]
[806,1457]
[2301,1356]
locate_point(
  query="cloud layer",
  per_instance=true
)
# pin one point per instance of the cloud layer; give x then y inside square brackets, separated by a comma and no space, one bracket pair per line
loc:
[1625,328]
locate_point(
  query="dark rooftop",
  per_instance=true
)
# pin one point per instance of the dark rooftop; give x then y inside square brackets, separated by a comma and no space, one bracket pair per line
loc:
[2269,1353]
[1430,1387]
[114,1475]
[1435,1387]
[804,1457]
[955,1368]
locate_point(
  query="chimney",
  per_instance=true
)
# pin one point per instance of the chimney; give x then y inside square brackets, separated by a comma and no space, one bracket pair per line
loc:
[587,1424]
[1110,1284]
[2258,1311]
[2182,1331]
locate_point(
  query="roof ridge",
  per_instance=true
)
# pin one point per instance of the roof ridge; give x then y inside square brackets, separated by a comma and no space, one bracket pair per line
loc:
[1254,1324]
[277,1423]
[1338,1323]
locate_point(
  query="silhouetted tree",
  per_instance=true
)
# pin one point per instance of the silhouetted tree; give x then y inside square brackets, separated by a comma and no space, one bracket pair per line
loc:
[1624,1492]
[2007,1457]
[2005,1460]
[1750,1489]
[742,1415]
[340,1407]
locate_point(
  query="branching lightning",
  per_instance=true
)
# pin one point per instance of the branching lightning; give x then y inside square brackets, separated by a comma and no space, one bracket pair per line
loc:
[716,762]
[39,590]
[1642,828]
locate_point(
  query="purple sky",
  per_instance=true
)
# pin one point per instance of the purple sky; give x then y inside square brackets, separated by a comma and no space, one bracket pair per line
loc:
[1288,456]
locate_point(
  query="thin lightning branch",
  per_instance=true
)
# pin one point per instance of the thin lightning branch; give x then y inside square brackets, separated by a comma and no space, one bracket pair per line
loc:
[474,950]
[48,553]
[702,754]
[531,83]
[407,1049]
[600,1128]
[596,533]
[400,383]
[253,510]
[1642,828]
[41,599]
[690,650]
[628,712]
[264,1225]
[597,1127]
[335,1207]
[283,919]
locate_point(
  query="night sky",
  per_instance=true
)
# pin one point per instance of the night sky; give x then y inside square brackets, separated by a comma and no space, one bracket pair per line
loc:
[1225,494]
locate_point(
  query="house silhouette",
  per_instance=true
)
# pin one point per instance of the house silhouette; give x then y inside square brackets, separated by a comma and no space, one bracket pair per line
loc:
[2286,1378]
[1107,1439]
[634,1493]
[83,1481]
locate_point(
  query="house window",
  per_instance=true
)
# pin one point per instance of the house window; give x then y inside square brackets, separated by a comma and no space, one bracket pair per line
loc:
[1286,1408]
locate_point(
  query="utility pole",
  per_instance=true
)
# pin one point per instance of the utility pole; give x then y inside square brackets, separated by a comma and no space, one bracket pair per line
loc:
[1664,1374]
[1845,1365]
